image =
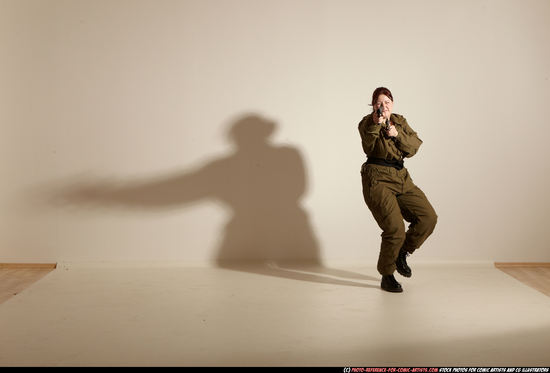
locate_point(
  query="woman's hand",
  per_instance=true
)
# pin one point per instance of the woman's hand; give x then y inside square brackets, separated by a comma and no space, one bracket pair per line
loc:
[392,132]
[381,119]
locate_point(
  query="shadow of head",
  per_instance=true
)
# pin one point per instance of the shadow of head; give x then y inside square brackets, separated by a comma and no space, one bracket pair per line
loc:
[250,130]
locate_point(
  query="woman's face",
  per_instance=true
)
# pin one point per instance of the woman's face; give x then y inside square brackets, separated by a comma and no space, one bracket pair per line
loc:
[386,103]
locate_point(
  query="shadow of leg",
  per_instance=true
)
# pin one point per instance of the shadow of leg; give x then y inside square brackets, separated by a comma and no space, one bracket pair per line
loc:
[302,272]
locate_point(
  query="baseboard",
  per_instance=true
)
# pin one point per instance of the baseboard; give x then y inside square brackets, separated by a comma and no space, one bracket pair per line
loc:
[522,265]
[28,265]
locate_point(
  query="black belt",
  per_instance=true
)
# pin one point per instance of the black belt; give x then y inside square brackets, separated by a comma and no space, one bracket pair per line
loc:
[388,163]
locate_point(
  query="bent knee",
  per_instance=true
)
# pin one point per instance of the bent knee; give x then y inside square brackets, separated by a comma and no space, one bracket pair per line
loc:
[430,221]
[394,229]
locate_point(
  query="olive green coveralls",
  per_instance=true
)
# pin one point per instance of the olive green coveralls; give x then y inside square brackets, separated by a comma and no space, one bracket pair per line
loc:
[390,192]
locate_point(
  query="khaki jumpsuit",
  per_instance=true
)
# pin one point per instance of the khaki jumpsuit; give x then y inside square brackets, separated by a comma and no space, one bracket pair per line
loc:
[390,192]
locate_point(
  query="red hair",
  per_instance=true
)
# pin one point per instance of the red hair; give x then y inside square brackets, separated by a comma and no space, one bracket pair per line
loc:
[380,91]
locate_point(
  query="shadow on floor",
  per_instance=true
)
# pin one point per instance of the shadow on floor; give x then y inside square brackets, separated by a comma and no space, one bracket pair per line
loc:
[305,272]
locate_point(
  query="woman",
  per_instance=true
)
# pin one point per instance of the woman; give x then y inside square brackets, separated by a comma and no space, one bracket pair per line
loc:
[388,190]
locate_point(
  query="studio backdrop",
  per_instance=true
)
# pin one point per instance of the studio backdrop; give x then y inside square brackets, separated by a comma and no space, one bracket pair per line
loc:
[200,131]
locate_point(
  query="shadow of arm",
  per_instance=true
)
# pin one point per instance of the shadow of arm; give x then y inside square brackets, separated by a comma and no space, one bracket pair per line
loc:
[156,193]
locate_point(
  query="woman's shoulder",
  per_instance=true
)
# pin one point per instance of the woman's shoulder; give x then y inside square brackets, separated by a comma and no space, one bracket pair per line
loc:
[398,118]
[366,118]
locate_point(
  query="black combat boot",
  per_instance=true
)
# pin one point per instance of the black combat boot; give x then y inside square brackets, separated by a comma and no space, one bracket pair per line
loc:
[401,264]
[389,283]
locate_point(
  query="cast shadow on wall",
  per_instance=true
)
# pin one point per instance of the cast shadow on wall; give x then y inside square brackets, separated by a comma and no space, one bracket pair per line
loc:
[269,231]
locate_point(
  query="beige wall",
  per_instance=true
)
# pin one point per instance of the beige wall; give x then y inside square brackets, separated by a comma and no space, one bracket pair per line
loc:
[203,130]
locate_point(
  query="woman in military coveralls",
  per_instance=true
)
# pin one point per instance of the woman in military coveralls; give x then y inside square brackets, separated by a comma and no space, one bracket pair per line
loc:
[388,190]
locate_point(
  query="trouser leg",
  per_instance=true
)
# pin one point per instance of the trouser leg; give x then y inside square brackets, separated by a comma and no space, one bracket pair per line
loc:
[382,202]
[393,237]
[418,211]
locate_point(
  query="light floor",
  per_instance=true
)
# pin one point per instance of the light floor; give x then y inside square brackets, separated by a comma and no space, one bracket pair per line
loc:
[449,315]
